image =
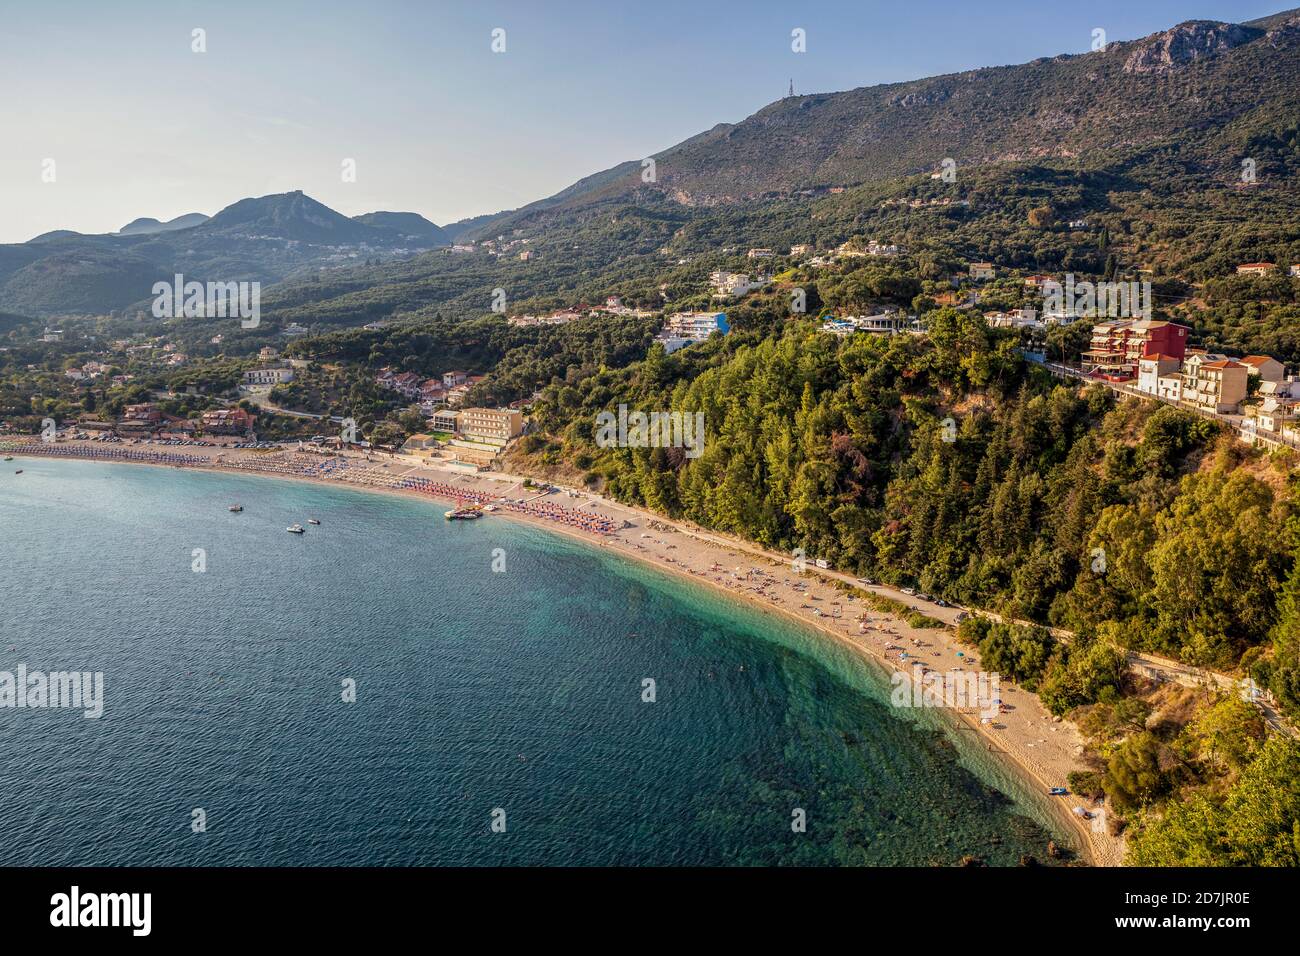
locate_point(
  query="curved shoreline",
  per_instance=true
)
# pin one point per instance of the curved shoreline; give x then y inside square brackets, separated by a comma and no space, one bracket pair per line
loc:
[1086,844]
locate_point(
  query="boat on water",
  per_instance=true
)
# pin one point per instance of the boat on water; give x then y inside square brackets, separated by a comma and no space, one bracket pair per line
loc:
[18,472]
[296,529]
[313,520]
[9,457]
[236,508]
[463,514]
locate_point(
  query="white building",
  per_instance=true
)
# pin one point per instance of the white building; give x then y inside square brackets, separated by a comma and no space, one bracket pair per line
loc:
[1157,374]
[687,328]
[1026,318]
[884,323]
[268,376]
[728,285]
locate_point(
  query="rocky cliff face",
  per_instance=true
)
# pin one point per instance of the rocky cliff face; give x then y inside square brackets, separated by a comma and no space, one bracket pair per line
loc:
[1284,32]
[1185,43]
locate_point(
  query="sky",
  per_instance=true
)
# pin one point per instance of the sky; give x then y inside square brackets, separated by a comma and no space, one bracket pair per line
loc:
[111,102]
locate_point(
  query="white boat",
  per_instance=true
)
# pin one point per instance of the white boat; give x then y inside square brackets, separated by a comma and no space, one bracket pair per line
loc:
[296,529]
[236,508]
[313,521]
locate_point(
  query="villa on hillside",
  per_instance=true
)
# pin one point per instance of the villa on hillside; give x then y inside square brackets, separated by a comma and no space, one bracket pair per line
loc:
[687,328]
[268,376]
[1256,269]
[729,285]
[1026,318]
[885,323]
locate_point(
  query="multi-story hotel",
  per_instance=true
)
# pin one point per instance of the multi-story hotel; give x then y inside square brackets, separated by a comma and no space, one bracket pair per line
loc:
[1117,346]
[490,425]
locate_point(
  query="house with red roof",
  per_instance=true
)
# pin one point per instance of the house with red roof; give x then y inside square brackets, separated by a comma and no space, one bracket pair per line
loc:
[1255,268]
[1221,386]
[1264,367]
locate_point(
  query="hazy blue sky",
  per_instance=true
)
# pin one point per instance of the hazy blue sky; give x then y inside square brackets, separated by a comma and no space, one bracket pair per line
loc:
[138,125]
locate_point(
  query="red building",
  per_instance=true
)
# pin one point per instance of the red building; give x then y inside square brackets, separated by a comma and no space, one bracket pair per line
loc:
[1118,346]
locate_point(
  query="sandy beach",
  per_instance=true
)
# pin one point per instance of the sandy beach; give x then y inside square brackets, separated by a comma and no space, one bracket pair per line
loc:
[1021,735]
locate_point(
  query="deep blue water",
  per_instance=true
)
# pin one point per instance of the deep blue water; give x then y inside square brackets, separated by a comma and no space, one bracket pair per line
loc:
[475,690]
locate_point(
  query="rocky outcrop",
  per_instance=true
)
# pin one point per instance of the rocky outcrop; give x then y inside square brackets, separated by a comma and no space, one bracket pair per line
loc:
[1186,43]
[1284,33]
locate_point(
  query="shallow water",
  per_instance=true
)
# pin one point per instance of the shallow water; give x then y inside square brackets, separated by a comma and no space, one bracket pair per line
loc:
[477,691]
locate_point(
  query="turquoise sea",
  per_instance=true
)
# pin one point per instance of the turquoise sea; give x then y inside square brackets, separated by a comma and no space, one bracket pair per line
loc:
[476,691]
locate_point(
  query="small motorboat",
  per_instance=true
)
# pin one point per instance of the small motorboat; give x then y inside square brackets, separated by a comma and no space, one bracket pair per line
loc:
[296,529]
[463,514]
[9,457]
[313,521]
[1058,792]
[18,472]
[236,508]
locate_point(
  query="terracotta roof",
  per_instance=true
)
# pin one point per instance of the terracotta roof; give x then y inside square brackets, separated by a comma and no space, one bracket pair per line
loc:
[1225,363]
[1257,359]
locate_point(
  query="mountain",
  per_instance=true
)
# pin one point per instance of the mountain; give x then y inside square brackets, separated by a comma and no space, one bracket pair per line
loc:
[1145,142]
[78,280]
[294,216]
[454,231]
[56,234]
[145,225]
[262,239]
[408,225]
[1145,138]
[1182,85]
